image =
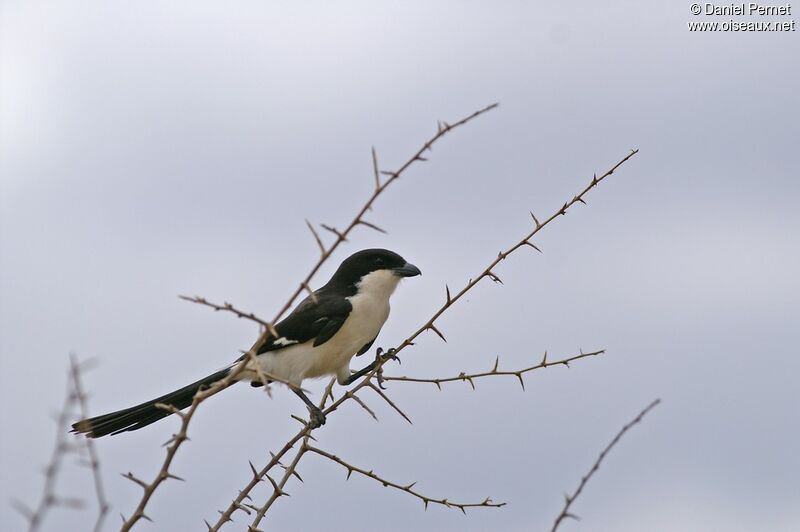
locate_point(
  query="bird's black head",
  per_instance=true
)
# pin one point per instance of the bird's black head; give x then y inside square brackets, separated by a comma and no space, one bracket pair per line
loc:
[389,266]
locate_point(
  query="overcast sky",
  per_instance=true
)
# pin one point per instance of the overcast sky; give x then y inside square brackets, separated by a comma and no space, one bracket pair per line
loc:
[177,147]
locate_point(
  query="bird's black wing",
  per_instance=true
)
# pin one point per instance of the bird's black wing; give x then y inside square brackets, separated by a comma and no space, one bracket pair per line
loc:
[312,320]
[366,347]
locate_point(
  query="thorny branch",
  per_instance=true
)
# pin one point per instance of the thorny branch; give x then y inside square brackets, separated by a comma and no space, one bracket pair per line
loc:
[408,488]
[569,499]
[488,272]
[103,505]
[325,252]
[494,372]
[74,397]
[304,434]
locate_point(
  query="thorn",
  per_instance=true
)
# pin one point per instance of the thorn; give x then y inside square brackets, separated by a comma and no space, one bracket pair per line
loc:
[425,501]
[147,517]
[135,480]
[496,362]
[437,331]
[494,277]
[241,507]
[563,210]
[438,385]
[349,472]
[311,293]
[463,511]
[544,359]
[253,469]
[538,225]
[447,289]
[175,477]
[392,175]
[578,198]
[594,180]
[521,382]
[375,169]
[420,158]
[531,244]
[316,237]
[372,226]
[335,231]
[410,486]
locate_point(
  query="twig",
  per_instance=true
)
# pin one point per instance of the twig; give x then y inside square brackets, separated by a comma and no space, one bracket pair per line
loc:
[501,256]
[486,503]
[290,470]
[496,372]
[49,499]
[227,307]
[94,461]
[569,499]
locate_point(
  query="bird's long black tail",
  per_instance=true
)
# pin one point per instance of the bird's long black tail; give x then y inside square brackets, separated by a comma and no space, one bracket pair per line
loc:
[142,415]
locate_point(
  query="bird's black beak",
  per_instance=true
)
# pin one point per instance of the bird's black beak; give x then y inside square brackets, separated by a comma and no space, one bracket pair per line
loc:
[407,270]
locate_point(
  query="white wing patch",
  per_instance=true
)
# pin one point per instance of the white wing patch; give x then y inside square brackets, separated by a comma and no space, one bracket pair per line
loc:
[283,341]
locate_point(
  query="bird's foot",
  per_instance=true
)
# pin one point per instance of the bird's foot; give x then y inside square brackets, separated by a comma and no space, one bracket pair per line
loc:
[380,358]
[316,418]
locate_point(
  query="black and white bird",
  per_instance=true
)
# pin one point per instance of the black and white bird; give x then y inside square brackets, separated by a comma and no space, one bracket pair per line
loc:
[318,338]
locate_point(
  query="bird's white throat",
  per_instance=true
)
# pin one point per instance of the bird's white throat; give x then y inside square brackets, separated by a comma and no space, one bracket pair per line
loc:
[378,284]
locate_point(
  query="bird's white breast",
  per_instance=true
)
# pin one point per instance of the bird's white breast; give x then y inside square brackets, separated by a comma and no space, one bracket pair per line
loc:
[370,311]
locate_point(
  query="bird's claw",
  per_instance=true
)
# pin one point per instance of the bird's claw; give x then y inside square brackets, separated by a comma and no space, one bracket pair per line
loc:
[380,358]
[316,418]
[388,355]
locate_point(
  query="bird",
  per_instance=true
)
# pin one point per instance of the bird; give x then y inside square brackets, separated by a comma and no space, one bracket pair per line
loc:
[318,338]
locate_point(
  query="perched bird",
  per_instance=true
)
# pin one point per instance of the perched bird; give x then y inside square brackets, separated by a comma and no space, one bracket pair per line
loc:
[318,338]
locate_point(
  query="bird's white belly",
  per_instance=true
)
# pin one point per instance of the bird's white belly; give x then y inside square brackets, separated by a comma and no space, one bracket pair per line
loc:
[303,361]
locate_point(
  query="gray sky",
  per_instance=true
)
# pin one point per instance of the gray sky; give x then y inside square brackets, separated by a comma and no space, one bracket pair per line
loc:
[154,150]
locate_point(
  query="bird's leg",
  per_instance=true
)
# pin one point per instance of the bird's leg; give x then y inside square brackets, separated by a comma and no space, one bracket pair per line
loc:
[317,417]
[380,357]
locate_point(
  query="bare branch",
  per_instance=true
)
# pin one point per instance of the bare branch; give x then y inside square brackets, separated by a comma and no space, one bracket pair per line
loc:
[409,488]
[569,499]
[524,241]
[103,506]
[74,397]
[227,307]
[494,372]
